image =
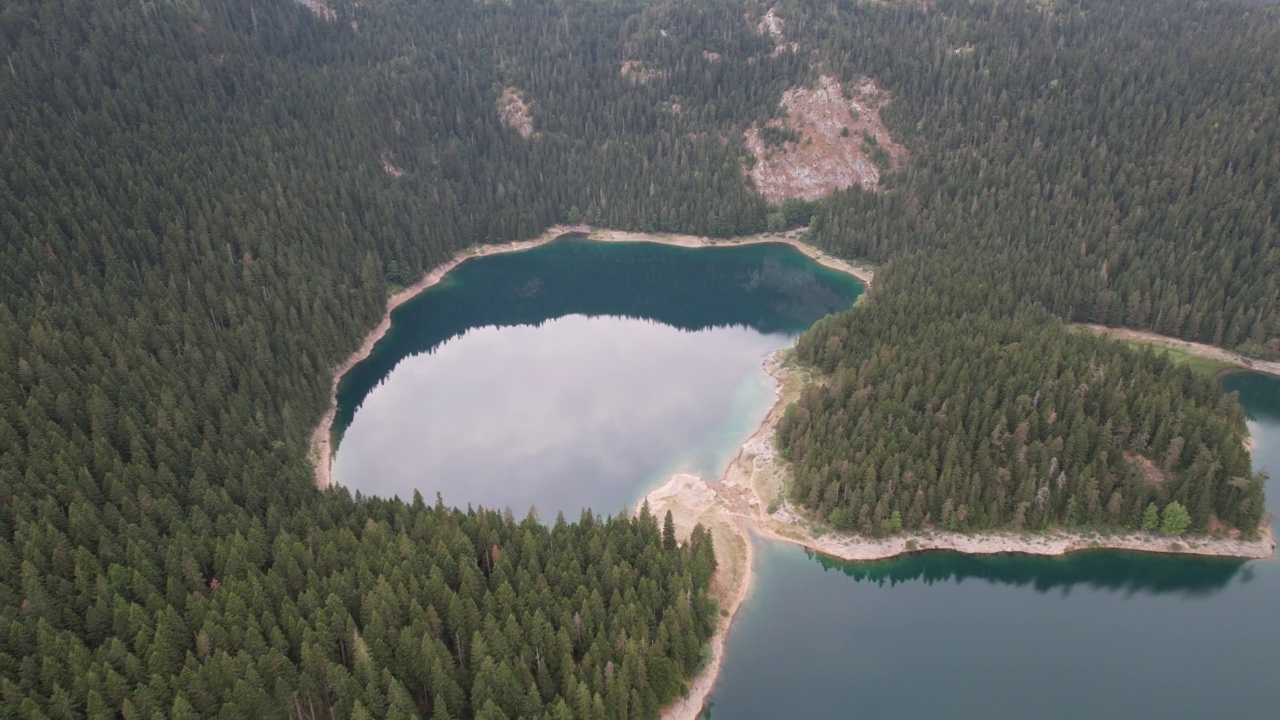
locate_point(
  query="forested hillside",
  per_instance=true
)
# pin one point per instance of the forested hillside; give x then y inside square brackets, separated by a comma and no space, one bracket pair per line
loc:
[1110,163]
[339,609]
[203,204]
[1118,163]
[932,415]
[197,225]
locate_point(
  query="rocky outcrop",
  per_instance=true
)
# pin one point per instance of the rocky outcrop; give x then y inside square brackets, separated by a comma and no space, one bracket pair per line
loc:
[829,139]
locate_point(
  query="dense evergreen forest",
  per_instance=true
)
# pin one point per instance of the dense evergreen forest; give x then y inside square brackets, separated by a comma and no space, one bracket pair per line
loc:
[1118,163]
[202,205]
[932,415]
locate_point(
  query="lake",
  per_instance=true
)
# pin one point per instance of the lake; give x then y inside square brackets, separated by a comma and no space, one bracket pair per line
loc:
[1095,634]
[577,374]
[580,374]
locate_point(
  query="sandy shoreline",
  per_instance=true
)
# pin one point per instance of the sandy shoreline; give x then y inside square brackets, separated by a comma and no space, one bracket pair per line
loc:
[692,501]
[321,451]
[792,238]
[1192,348]
[754,483]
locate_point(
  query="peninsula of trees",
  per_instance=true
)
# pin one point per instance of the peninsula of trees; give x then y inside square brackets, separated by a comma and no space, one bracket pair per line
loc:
[932,416]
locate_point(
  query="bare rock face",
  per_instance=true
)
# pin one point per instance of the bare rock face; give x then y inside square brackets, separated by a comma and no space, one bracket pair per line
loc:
[515,112]
[829,140]
[771,24]
[390,168]
[320,8]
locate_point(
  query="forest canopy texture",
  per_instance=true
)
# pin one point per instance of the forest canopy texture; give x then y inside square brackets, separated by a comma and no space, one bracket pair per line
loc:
[966,421]
[203,205]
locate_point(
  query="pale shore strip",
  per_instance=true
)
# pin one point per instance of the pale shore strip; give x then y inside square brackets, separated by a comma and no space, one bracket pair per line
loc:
[1192,348]
[692,501]
[321,452]
[754,483]
[792,238]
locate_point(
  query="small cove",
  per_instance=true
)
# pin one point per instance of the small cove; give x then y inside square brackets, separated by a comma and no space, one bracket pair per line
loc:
[576,374]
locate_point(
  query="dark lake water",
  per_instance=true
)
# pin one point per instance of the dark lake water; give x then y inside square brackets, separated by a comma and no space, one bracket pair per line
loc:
[1092,635]
[576,375]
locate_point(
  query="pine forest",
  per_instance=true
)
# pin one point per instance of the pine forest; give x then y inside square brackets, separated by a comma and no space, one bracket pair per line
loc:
[205,203]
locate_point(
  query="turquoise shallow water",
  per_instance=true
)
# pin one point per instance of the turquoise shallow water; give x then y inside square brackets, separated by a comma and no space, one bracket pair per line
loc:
[576,374]
[1097,634]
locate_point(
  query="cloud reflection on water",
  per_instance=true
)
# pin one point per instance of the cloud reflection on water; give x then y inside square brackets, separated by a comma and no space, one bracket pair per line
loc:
[574,412]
